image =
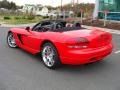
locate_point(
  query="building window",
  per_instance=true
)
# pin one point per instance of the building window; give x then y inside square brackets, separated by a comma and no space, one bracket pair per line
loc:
[113,6]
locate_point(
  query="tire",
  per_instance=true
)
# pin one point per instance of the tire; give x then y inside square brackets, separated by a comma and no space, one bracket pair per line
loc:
[50,56]
[11,41]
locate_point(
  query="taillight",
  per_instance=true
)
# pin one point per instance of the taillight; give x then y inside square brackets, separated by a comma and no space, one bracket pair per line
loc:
[77,43]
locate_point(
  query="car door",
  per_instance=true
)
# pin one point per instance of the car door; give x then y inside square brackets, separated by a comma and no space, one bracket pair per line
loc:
[32,40]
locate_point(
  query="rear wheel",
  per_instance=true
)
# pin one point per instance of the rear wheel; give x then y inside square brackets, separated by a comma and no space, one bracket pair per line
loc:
[50,56]
[11,40]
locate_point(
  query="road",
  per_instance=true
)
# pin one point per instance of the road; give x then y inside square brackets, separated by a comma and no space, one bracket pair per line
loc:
[20,70]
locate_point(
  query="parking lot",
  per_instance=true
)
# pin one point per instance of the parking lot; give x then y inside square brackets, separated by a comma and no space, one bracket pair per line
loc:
[20,70]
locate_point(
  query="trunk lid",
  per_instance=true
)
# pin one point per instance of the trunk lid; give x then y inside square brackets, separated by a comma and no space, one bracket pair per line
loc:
[96,37]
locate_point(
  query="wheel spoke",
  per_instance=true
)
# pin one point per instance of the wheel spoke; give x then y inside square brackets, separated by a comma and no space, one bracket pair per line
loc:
[48,56]
[11,41]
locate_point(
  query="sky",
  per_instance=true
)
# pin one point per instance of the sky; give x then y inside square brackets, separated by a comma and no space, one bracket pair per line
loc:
[48,2]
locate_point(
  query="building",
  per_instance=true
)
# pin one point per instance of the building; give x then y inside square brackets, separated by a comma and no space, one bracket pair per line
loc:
[112,6]
[65,14]
[43,11]
[29,8]
[61,15]
[35,9]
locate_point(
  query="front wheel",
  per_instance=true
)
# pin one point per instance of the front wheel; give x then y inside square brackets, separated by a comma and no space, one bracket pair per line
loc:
[11,40]
[50,56]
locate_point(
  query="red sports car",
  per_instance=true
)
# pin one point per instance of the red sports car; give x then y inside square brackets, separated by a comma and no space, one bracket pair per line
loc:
[60,43]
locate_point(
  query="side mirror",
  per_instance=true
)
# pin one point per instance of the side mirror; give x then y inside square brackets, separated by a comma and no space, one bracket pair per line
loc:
[27,28]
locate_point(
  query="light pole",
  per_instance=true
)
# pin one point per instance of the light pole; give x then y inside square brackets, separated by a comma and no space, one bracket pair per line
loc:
[105,16]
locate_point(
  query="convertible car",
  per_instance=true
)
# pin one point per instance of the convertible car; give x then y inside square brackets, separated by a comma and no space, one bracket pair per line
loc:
[59,42]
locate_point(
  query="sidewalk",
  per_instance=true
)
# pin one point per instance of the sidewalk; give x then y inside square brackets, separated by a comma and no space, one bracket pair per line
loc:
[104,29]
[89,27]
[20,25]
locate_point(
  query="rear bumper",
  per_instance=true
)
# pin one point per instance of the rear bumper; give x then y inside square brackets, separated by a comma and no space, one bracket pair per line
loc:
[77,57]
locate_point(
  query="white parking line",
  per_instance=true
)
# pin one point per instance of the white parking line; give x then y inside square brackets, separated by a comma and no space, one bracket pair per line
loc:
[117,52]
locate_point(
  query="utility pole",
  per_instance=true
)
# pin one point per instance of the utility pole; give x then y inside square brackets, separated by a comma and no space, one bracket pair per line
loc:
[77,1]
[61,5]
[77,6]
[74,4]
[74,7]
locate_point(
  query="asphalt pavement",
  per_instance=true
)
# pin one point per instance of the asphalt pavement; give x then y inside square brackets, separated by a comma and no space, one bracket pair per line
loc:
[20,70]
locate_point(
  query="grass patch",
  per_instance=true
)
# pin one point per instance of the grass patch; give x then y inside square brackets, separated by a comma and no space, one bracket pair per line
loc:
[13,19]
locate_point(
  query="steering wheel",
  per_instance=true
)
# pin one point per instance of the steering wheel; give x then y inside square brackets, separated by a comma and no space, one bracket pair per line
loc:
[59,26]
[44,28]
